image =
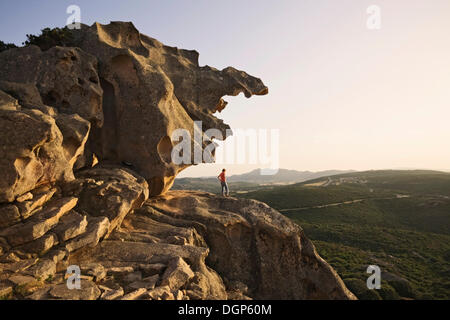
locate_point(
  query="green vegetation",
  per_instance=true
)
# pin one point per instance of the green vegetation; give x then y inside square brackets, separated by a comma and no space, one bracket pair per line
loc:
[402,225]
[48,38]
[51,37]
[359,288]
[300,196]
[49,278]
[6,46]
[400,222]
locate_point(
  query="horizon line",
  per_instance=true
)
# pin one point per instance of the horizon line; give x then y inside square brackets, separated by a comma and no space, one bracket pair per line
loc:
[318,171]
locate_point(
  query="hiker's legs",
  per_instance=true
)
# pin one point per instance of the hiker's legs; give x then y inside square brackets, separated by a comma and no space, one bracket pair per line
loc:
[224,188]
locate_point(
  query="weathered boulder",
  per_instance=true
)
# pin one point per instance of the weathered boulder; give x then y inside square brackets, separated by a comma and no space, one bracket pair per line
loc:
[39,224]
[40,197]
[108,191]
[88,291]
[135,294]
[71,225]
[97,228]
[75,131]
[21,280]
[33,150]
[40,245]
[112,294]
[160,293]
[96,270]
[177,274]
[43,269]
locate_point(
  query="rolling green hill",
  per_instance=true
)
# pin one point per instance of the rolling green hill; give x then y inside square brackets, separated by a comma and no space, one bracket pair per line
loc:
[398,220]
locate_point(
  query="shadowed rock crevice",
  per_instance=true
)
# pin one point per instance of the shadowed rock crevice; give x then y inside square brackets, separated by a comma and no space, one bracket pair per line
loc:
[165,149]
[109,138]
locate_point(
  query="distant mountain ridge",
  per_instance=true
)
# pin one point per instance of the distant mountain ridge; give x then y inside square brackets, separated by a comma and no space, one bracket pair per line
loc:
[284,176]
[253,180]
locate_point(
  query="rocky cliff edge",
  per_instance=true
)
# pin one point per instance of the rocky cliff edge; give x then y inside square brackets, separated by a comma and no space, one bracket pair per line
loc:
[86,171]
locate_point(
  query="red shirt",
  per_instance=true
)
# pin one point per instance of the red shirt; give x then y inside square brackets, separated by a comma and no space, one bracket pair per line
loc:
[222,177]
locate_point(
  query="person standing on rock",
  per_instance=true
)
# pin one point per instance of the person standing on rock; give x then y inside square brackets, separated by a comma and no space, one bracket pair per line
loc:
[223,181]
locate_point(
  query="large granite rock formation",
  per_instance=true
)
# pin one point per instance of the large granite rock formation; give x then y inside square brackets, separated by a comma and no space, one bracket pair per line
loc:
[134,90]
[150,90]
[85,144]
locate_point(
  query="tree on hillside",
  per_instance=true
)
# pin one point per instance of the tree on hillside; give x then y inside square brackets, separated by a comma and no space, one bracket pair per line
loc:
[51,37]
[6,46]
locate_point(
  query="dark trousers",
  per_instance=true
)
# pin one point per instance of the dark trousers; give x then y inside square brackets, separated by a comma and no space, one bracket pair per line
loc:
[224,188]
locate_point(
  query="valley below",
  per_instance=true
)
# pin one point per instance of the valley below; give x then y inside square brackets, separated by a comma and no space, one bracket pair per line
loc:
[397,220]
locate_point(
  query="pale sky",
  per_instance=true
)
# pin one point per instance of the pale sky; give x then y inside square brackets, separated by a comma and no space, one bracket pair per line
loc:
[342,96]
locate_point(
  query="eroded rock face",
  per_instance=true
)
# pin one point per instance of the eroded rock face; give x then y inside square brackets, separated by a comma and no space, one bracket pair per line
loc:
[108,191]
[33,150]
[183,245]
[39,233]
[134,91]
[48,101]
[150,90]
[63,78]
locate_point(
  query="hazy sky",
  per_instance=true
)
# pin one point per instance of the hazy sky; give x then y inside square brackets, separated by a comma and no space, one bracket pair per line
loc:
[343,96]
